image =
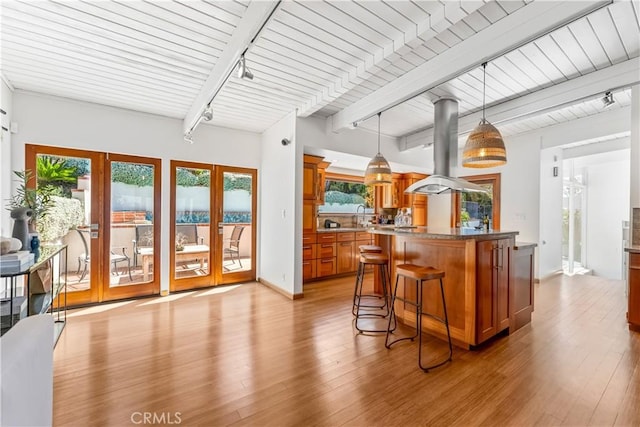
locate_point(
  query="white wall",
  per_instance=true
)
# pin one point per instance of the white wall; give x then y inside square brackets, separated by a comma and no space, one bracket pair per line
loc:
[6,103]
[313,135]
[634,161]
[607,206]
[49,120]
[550,243]
[281,207]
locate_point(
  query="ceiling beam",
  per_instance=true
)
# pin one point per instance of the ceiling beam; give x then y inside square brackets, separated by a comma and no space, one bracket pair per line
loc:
[623,74]
[522,26]
[254,18]
[439,19]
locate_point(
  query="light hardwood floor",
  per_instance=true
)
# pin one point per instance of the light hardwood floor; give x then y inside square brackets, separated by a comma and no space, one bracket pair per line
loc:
[246,356]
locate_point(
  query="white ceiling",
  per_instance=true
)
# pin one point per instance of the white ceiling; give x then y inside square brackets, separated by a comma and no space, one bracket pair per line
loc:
[319,57]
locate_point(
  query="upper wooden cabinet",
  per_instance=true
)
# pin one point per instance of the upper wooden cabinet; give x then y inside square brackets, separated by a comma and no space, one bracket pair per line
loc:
[417,202]
[309,184]
[320,182]
[392,193]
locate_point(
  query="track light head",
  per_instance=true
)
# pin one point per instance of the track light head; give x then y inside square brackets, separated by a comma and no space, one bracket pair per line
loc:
[207,114]
[243,71]
[188,138]
[608,100]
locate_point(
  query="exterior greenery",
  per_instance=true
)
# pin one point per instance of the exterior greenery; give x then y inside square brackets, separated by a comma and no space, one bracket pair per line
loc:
[132,174]
[37,199]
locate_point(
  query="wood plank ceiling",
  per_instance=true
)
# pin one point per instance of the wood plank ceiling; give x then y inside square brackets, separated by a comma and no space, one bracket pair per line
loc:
[318,57]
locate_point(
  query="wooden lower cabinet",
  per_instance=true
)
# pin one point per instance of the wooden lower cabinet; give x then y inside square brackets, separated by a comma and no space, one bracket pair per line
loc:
[633,312]
[325,267]
[521,297]
[492,287]
[345,257]
[330,253]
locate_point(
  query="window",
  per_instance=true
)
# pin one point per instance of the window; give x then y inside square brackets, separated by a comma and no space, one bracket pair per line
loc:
[344,194]
[470,208]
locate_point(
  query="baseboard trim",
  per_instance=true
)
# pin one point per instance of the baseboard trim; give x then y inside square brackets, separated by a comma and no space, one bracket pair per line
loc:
[280,290]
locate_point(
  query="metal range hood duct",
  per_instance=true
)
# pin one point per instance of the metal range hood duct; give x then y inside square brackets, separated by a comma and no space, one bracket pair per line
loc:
[445,154]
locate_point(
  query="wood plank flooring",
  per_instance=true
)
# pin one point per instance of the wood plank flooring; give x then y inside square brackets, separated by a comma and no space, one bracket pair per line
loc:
[247,356]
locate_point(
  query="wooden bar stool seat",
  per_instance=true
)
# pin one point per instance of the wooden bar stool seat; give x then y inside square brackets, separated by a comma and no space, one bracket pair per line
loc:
[419,275]
[370,249]
[379,309]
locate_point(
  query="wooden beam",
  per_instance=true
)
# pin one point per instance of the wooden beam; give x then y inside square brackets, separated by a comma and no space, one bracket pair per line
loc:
[623,74]
[254,18]
[525,24]
[439,19]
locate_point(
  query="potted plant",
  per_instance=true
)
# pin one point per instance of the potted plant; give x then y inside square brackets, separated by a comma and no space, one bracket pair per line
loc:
[38,199]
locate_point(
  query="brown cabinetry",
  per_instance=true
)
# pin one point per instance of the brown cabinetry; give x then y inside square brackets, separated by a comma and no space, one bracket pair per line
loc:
[417,202]
[309,183]
[492,290]
[521,301]
[325,249]
[633,312]
[392,193]
[345,257]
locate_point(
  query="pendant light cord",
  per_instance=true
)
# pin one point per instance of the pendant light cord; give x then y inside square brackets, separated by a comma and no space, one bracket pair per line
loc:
[379,114]
[484,87]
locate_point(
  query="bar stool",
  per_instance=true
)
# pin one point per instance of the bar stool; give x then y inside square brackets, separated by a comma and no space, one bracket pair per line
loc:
[418,275]
[381,261]
[370,249]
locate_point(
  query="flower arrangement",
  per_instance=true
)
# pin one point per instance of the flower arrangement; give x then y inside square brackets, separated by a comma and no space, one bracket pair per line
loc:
[181,240]
[63,215]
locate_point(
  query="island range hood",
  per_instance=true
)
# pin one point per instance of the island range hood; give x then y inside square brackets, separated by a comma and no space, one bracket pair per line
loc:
[445,154]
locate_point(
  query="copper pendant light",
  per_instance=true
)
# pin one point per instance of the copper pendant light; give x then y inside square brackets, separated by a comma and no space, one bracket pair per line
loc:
[378,171]
[484,147]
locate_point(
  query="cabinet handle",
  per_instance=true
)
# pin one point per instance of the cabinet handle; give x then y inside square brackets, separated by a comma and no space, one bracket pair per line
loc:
[326,246]
[501,259]
[306,247]
[494,258]
[345,244]
[326,261]
[306,262]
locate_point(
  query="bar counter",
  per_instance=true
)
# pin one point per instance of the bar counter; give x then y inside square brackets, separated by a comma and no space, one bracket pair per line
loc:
[479,282]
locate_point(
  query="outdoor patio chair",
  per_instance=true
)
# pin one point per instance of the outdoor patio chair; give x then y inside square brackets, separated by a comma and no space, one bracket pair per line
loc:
[233,250]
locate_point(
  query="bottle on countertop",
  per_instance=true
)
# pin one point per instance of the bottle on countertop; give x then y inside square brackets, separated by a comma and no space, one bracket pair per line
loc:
[485,223]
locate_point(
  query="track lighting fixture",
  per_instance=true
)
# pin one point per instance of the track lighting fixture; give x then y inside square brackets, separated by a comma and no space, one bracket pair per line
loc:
[188,138]
[608,100]
[207,114]
[243,71]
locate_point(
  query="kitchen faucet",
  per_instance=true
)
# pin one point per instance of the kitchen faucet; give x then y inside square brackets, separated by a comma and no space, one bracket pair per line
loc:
[363,215]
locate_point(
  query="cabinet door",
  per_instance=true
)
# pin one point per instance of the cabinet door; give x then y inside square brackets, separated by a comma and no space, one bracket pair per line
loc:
[633,313]
[501,267]
[309,184]
[308,216]
[419,211]
[325,267]
[345,257]
[521,304]
[486,290]
[308,269]
[320,183]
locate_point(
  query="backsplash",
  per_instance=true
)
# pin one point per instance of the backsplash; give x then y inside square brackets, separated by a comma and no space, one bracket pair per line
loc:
[345,220]
[635,227]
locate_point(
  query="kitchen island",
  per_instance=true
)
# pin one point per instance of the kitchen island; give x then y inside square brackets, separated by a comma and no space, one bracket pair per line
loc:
[479,279]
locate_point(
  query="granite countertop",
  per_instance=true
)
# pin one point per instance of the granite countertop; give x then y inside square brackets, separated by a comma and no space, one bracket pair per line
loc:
[634,249]
[441,233]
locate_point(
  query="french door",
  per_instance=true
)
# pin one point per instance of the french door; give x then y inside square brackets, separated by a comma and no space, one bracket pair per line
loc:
[100,200]
[191,234]
[235,202]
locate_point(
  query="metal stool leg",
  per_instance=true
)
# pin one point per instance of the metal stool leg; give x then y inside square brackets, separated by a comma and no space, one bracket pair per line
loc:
[388,343]
[384,278]
[446,322]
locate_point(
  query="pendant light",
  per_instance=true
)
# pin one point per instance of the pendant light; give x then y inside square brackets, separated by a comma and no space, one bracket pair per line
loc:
[378,171]
[484,147]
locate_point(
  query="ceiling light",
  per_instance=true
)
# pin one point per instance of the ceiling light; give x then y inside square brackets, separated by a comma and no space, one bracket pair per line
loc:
[378,171]
[485,146]
[207,114]
[243,71]
[608,100]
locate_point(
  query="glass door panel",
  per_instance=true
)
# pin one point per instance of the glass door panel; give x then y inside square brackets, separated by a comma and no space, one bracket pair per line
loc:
[191,196]
[236,220]
[133,218]
[71,180]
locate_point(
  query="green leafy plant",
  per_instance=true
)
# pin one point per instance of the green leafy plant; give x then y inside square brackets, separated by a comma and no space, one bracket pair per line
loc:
[465,217]
[37,199]
[65,214]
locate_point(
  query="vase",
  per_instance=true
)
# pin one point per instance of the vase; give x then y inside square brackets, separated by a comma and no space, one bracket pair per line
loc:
[21,217]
